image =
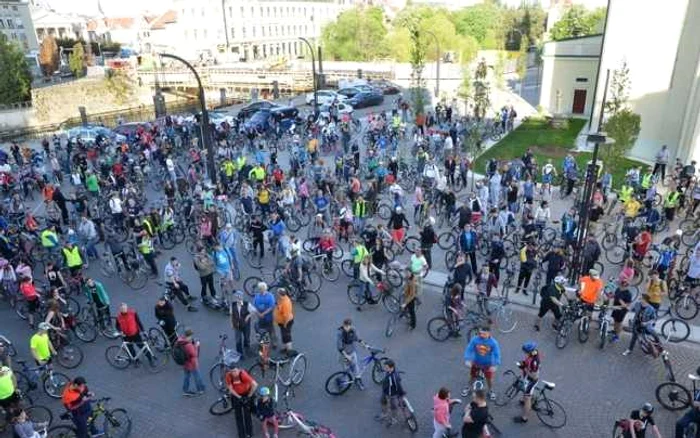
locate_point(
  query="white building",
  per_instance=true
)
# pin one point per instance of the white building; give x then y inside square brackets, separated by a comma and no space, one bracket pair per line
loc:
[16,24]
[660,44]
[60,25]
[132,32]
[255,29]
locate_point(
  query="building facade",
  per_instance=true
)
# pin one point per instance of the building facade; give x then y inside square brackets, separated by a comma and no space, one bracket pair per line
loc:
[49,22]
[250,29]
[16,24]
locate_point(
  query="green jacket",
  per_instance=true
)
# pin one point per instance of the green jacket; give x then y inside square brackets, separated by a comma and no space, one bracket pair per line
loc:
[92,183]
[101,292]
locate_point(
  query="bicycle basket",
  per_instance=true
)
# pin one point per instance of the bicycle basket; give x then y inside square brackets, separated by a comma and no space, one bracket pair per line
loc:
[231,357]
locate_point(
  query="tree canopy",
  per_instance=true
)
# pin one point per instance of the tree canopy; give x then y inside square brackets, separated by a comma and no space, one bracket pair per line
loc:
[48,56]
[76,60]
[15,76]
[578,21]
[357,34]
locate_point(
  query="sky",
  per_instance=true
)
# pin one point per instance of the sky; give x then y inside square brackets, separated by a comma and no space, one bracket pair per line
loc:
[110,7]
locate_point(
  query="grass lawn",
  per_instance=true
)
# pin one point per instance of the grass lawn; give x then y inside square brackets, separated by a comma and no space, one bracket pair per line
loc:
[546,143]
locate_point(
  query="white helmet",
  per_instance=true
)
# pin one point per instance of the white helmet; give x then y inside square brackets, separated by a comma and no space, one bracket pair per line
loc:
[399,209]
[560,279]
[679,232]
[343,211]
[431,220]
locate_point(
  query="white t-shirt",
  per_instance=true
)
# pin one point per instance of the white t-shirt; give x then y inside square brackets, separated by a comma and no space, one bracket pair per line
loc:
[169,164]
[115,204]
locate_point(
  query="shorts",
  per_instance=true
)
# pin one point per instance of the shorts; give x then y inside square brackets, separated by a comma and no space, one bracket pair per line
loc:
[548,305]
[618,315]
[398,235]
[474,371]
[530,386]
[33,305]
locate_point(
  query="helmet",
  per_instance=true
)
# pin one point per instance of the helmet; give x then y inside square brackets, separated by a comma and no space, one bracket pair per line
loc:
[431,220]
[679,232]
[560,279]
[264,391]
[343,211]
[529,346]
[648,408]
[399,209]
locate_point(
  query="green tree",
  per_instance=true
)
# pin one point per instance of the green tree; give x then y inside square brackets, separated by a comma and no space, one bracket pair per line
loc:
[623,127]
[76,60]
[15,76]
[119,84]
[418,56]
[356,35]
[619,89]
[481,22]
[481,92]
[577,21]
[397,44]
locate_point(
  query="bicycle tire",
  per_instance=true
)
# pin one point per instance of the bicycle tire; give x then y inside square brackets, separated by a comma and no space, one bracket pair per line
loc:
[609,241]
[547,412]
[584,327]
[504,397]
[673,396]
[39,414]
[117,357]
[331,271]
[70,356]
[167,242]
[297,370]
[250,284]
[562,338]
[446,240]
[308,300]
[117,423]
[505,320]
[217,374]
[253,260]
[107,268]
[675,330]
[53,385]
[439,329]
[394,277]
[158,361]
[378,372]
[686,307]
[412,423]
[222,406]
[61,431]
[85,332]
[347,268]
[450,260]
[265,376]
[293,224]
[618,431]
[158,339]
[384,211]
[313,281]
[603,335]
[356,294]
[391,303]
[651,258]
[139,279]
[338,383]
[22,309]
[615,255]
[391,325]
[109,330]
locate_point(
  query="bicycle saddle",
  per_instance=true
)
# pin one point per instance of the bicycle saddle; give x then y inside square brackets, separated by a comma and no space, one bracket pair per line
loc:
[693,377]
[549,385]
[21,362]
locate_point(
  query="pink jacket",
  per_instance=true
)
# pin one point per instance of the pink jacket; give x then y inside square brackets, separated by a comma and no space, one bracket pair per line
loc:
[441,410]
[192,362]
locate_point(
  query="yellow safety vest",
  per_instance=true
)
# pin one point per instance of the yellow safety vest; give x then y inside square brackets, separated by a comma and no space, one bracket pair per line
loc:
[360,209]
[626,193]
[145,246]
[45,239]
[148,227]
[72,256]
[671,200]
[240,162]
[7,386]
[647,181]
[361,253]
[229,168]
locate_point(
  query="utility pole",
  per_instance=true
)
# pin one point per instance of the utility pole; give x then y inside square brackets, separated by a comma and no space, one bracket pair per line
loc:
[313,72]
[437,64]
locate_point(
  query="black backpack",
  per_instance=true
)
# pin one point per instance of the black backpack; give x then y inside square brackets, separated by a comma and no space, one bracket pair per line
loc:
[179,353]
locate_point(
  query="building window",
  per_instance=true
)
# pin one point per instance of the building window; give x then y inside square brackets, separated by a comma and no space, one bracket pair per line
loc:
[253,31]
[262,30]
[252,11]
[10,24]
[14,8]
[20,25]
[268,11]
[269,30]
[282,29]
[242,11]
[581,79]
[233,32]
[230,12]
[243,32]
[2,24]
[304,12]
[194,34]
[277,31]
[274,12]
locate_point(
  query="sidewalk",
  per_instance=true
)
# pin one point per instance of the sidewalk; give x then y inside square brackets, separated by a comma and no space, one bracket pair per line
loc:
[435,281]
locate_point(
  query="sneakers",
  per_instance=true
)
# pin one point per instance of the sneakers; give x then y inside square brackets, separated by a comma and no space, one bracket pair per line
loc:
[189,394]
[492,395]
[191,308]
[536,327]
[626,352]
[520,420]
[614,338]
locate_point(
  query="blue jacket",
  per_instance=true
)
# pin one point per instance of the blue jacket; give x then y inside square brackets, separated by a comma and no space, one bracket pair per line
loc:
[467,241]
[262,302]
[277,227]
[483,352]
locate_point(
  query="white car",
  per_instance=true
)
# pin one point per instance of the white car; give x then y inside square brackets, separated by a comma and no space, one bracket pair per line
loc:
[325,97]
[343,108]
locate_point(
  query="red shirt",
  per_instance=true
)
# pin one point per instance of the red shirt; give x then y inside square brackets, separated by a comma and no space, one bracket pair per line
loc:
[192,361]
[29,291]
[643,243]
[242,387]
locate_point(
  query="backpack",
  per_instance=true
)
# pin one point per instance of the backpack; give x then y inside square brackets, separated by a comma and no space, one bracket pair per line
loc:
[179,353]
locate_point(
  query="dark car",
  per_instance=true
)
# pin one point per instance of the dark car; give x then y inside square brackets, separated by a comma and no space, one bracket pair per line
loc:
[285,112]
[254,107]
[262,120]
[349,91]
[365,99]
[386,87]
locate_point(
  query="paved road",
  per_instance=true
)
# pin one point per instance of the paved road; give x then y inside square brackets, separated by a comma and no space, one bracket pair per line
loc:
[595,387]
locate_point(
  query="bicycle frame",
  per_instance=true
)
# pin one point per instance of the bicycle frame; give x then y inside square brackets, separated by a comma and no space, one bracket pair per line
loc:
[142,351]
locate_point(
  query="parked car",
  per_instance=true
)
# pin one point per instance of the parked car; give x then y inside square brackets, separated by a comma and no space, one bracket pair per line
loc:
[256,106]
[387,87]
[343,108]
[364,99]
[262,120]
[90,133]
[127,129]
[324,97]
[349,91]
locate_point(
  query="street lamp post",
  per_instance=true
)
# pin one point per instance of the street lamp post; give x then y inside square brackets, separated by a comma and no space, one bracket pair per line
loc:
[437,64]
[313,72]
[204,125]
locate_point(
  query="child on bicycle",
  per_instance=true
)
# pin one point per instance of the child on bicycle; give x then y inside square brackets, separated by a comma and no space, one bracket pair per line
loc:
[326,245]
[530,376]
[454,306]
[392,390]
[265,410]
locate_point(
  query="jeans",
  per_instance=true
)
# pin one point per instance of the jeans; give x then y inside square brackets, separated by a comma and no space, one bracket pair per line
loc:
[242,338]
[207,281]
[351,365]
[244,421]
[692,416]
[439,429]
[80,417]
[197,380]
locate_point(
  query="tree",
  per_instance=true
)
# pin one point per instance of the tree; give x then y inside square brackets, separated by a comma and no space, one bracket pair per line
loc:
[577,21]
[480,21]
[481,90]
[417,66]
[15,76]
[623,127]
[76,60]
[48,56]
[119,84]
[619,89]
[356,35]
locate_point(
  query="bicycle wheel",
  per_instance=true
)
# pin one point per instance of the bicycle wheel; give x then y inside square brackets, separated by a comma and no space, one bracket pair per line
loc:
[347,268]
[254,261]
[412,422]
[651,258]
[221,407]
[62,431]
[157,361]
[309,300]
[297,370]
[391,303]
[22,309]
[394,278]
[446,240]
[609,241]
[263,375]
[250,284]
[85,332]
[675,330]
[356,294]
[378,372]
[505,319]
[563,334]
[686,307]
[217,373]
[139,279]
[293,224]
[109,330]
[313,281]
[391,325]
[550,413]
[618,430]
[412,244]
[450,260]
[117,356]
[39,414]
[330,271]
[673,396]
[117,423]
[504,397]
[615,255]
[384,211]
[583,330]
[107,267]
[439,329]
[338,383]
[54,384]
[69,356]
[603,335]
[158,340]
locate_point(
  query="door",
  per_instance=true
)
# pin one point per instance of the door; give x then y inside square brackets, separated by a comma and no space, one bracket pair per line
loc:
[579,105]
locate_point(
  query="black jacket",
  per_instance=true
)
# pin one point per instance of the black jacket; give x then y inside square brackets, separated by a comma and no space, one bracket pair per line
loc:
[239,314]
[391,385]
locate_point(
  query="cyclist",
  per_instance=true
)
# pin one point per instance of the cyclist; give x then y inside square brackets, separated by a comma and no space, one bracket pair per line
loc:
[528,263]
[25,428]
[548,174]
[173,281]
[97,296]
[130,326]
[222,262]
[265,411]
[483,354]
[326,245]
[76,399]
[396,223]
[391,391]
[358,254]
[638,422]
[367,269]
[54,276]
[530,374]
[468,241]
[590,290]
[31,296]
[551,300]
[165,315]
[692,416]
[542,216]
[73,259]
[656,289]
[9,396]
[346,338]
[229,238]
[643,322]
[476,417]
[264,305]
[428,238]
[622,302]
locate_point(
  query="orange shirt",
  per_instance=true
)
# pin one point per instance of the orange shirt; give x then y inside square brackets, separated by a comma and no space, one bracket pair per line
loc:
[590,289]
[283,310]
[242,387]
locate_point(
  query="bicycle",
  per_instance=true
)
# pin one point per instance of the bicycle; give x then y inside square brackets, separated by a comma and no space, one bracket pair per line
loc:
[8,346]
[107,327]
[121,356]
[382,292]
[40,415]
[572,311]
[52,382]
[260,369]
[453,321]
[674,396]
[225,360]
[339,382]
[549,412]
[117,423]
[675,330]
[402,315]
